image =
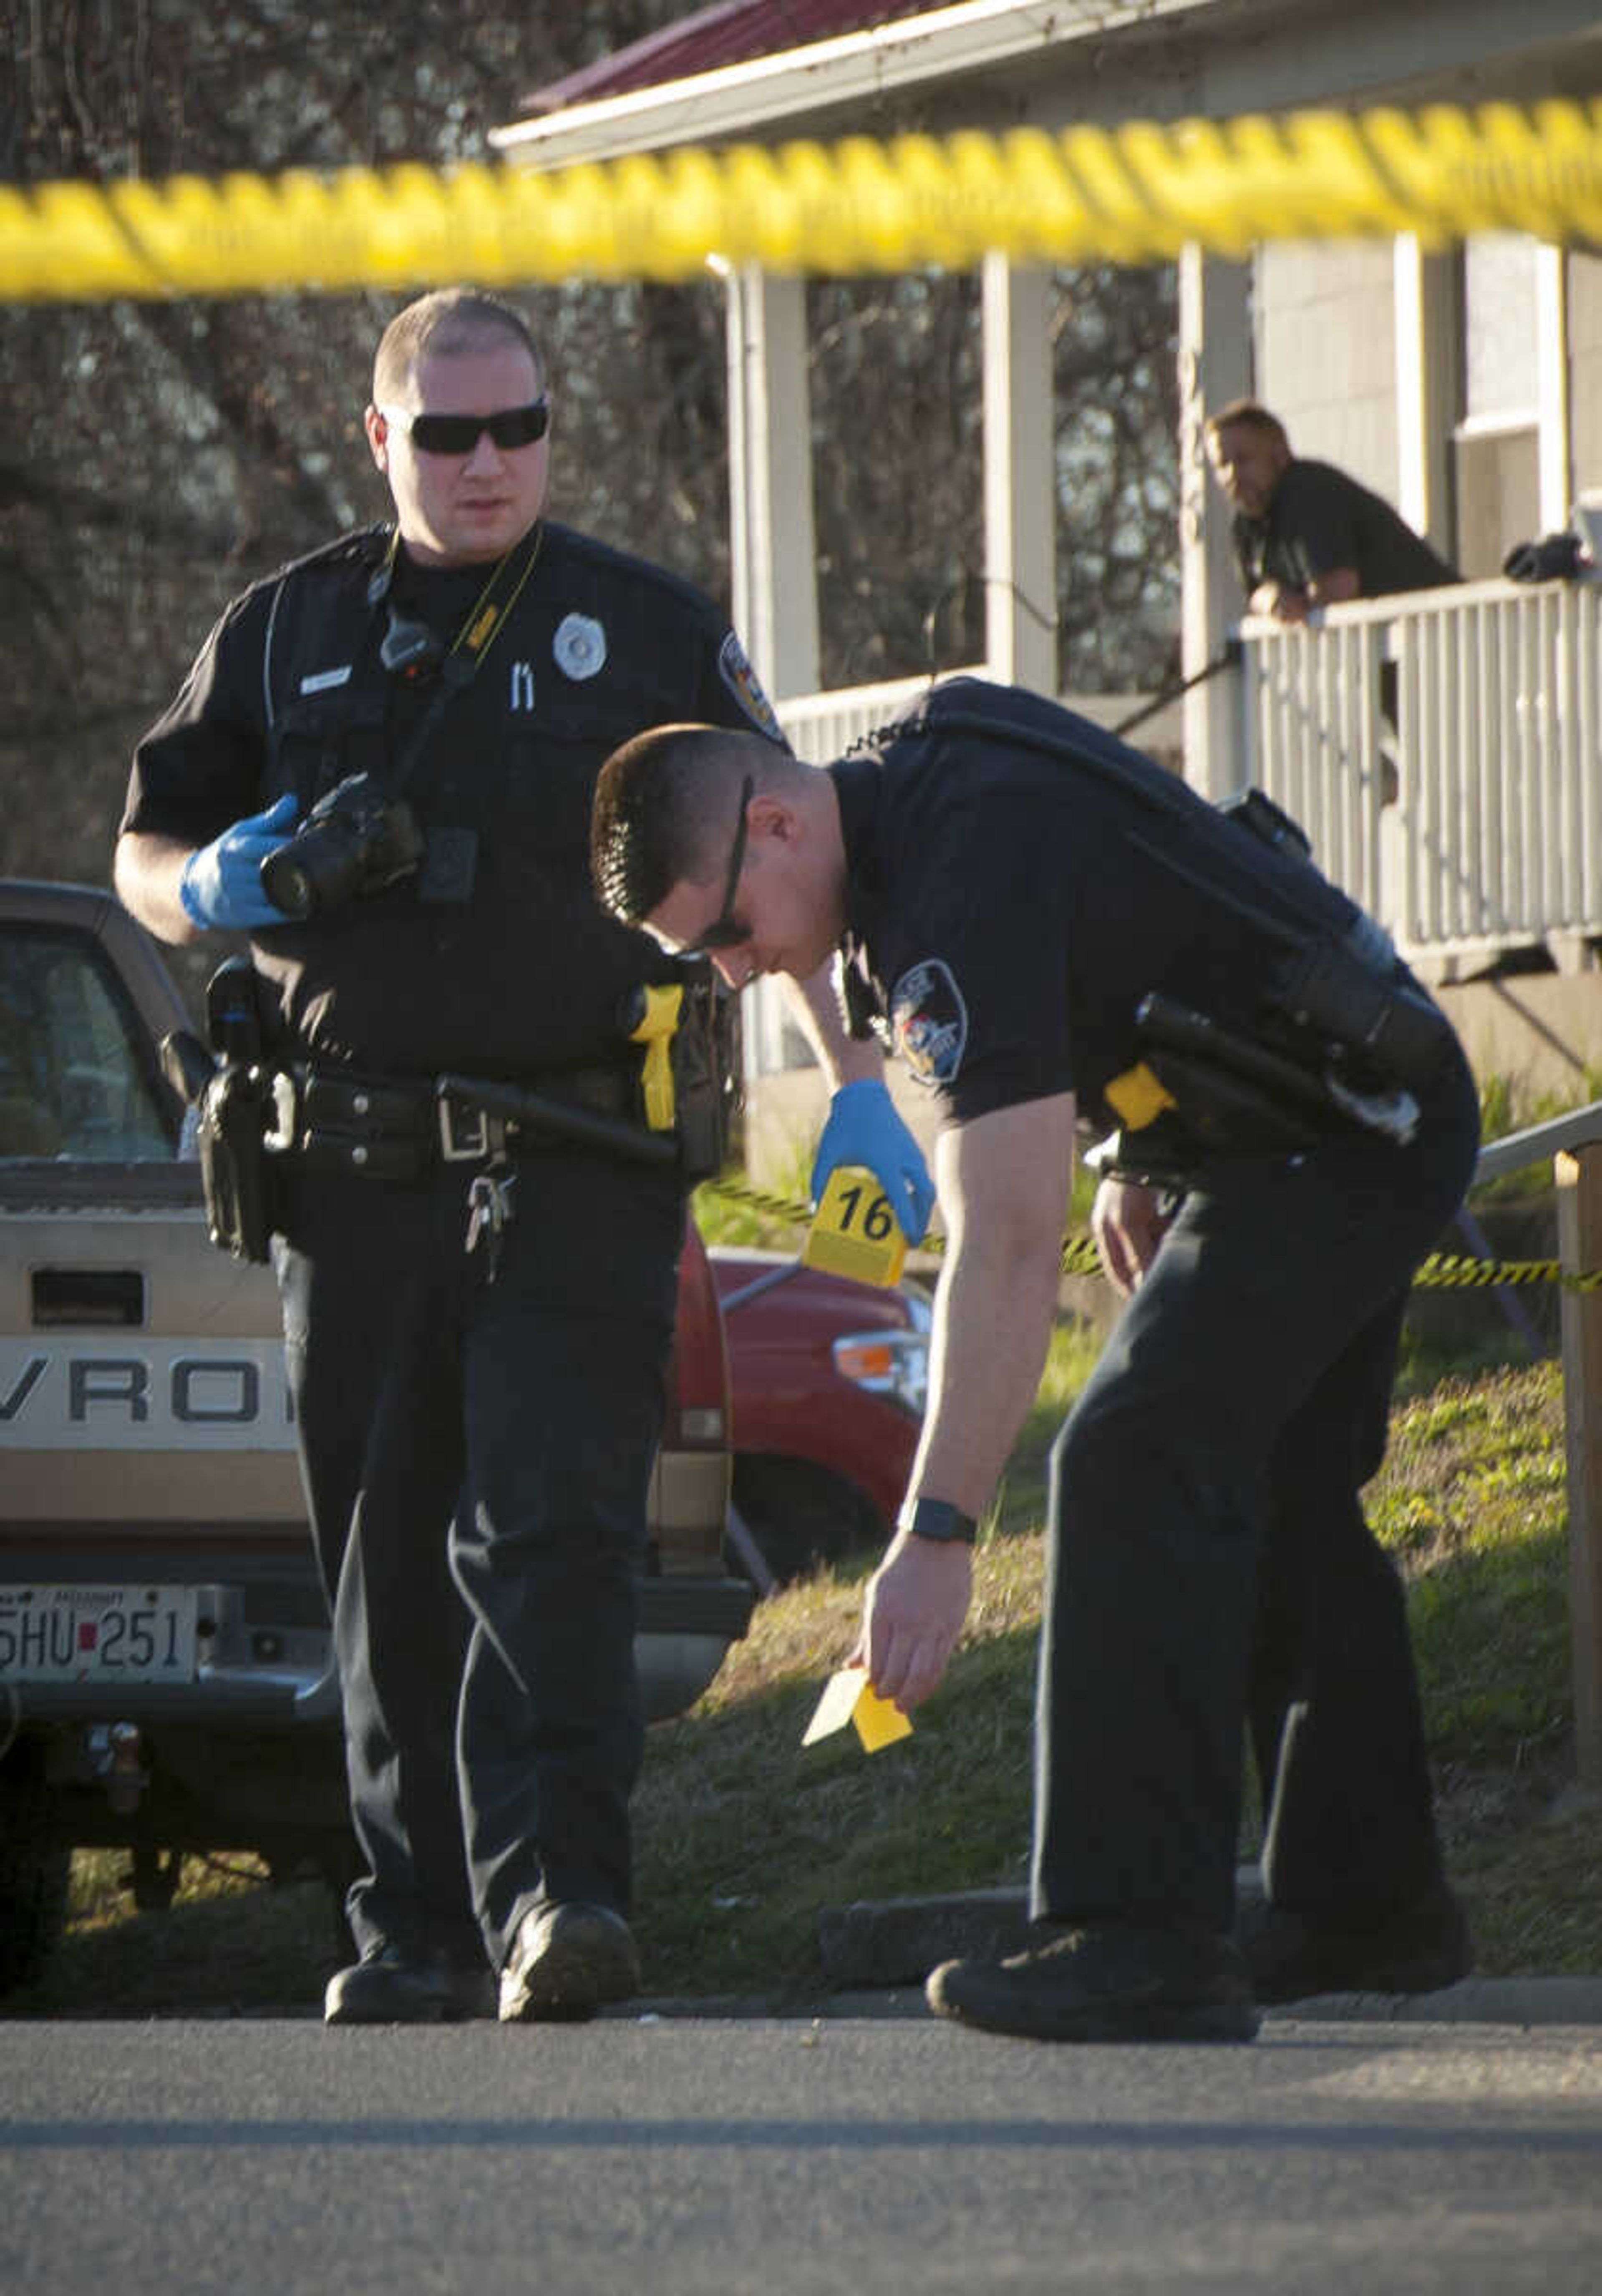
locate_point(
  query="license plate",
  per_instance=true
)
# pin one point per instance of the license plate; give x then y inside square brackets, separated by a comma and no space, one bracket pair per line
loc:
[97,1634]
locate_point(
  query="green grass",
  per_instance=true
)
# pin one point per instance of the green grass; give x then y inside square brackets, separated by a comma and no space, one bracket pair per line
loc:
[1472,1501]
[1507,1106]
[744,1836]
[724,1218]
[232,1944]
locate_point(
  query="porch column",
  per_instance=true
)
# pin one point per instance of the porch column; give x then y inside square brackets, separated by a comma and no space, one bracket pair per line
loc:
[1552,381]
[1020,481]
[772,554]
[1215,367]
[1427,360]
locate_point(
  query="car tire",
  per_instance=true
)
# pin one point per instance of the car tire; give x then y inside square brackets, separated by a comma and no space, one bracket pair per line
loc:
[35,1873]
[801,1515]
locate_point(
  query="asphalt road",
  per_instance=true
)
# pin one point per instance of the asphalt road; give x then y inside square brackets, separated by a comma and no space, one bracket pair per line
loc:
[708,2156]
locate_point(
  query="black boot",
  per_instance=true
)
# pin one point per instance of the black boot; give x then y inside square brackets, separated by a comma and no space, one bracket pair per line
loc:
[1424,1946]
[567,1961]
[1107,1982]
[384,1988]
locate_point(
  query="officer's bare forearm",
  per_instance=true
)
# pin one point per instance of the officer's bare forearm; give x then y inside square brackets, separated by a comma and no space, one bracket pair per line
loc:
[1004,1183]
[147,869]
[815,1003]
[992,1328]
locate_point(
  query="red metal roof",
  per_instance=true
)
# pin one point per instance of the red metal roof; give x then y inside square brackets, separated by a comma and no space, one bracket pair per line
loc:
[731,32]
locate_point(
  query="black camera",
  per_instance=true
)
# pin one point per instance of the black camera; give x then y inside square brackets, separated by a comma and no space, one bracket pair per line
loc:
[354,840]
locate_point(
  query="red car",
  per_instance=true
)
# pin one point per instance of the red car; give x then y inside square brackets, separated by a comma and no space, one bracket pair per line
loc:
[829,1380]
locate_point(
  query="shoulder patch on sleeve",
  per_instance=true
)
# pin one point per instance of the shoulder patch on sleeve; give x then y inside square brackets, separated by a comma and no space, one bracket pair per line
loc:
[743,682]
[929,1022]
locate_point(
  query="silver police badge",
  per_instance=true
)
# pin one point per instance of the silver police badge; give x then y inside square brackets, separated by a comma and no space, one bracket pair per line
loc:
[929,1023]
[580,646]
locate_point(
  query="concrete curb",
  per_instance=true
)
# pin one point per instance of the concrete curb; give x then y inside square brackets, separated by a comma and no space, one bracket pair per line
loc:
[1472,2001]
[888,1945]
[892,1941]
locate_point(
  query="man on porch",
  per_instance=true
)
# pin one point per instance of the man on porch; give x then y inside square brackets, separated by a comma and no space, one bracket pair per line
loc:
[1306,534]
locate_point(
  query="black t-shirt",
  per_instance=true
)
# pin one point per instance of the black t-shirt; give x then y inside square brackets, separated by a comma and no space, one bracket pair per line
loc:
[1320,519]
[1012,904]
[526,973]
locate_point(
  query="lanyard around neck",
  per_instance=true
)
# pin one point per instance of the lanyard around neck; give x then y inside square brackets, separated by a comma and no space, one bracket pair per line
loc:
[470,644]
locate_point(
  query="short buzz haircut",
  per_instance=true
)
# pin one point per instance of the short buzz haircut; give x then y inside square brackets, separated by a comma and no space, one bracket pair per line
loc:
[1247,414]
[664,808]
[448,321]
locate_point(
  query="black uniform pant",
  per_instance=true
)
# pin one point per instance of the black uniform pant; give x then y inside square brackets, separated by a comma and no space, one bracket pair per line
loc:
[476,1455]
[1240,1404]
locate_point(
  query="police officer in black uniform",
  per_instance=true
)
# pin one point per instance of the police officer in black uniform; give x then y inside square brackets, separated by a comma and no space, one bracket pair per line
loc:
[381,768]
[1054,931]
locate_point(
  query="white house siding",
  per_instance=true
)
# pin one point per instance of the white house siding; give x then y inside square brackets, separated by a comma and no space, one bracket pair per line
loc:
[1324,352]
[1585,368]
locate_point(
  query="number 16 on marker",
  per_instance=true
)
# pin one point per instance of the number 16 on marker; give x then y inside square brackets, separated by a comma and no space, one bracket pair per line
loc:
[854,1231]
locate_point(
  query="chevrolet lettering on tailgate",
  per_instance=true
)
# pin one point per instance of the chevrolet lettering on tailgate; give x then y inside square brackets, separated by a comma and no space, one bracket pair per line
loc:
[204,1394]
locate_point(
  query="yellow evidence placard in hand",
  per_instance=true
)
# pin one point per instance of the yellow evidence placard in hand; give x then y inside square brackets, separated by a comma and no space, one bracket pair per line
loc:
[854,1232]
[850,1697]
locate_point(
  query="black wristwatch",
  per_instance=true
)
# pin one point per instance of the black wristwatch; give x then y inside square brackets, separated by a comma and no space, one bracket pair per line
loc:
[940,1520]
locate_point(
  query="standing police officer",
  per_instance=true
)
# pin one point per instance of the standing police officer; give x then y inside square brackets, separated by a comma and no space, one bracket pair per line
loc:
[1054,930]
[476,1324]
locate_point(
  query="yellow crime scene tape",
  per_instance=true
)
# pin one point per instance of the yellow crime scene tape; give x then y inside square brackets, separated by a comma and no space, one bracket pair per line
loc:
[1443,1270]
[1135,193]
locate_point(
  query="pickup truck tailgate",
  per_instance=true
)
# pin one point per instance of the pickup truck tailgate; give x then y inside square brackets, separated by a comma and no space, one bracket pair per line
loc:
[147,1382]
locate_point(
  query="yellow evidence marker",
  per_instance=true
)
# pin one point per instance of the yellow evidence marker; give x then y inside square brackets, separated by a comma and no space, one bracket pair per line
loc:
[854,1232]
[850,1697]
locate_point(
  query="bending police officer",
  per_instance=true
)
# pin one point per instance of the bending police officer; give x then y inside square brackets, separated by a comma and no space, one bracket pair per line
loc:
[399,736]
[1053,930]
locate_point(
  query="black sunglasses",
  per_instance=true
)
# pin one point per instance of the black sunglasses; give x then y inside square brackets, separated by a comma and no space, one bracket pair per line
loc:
[725,930]
[459,434]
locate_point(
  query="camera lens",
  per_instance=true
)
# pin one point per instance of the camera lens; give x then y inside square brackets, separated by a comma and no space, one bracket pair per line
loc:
[356,840]
[287,884]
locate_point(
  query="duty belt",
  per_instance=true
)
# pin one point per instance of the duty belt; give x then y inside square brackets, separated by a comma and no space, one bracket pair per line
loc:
[398,1127]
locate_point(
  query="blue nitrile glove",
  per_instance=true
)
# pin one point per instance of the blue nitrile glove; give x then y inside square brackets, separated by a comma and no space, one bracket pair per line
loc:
[864,1128]
[221,884]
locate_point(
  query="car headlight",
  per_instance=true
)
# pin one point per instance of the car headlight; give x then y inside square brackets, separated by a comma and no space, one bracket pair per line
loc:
[894,1363]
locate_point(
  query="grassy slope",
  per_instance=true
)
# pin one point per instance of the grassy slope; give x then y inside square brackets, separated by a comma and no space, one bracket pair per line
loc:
[743,1835]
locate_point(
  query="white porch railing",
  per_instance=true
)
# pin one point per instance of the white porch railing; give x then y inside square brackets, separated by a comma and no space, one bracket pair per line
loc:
[822,726]
[1443,750]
